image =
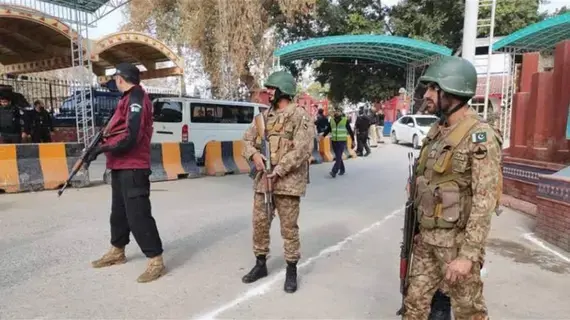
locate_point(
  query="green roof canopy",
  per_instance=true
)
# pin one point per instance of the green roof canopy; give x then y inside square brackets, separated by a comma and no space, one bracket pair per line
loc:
[536,37]
[382,48]
[90,6]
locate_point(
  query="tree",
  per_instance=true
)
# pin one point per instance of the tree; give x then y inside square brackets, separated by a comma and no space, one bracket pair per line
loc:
[355,79]
[441,21]
[230,36]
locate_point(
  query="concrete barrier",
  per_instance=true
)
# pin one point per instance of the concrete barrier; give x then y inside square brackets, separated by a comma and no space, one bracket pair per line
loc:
[169,161]
[349,151]
[325,149]
[36,167]
[224,157]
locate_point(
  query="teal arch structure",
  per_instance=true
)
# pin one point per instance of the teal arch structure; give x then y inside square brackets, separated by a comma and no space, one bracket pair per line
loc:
[399,51]
[536,37]
[393,50]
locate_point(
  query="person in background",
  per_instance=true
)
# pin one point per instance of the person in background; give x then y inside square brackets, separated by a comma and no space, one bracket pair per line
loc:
[10,121]
[362,126]
[40,124]
[380,124]
[322,123]
[340,129]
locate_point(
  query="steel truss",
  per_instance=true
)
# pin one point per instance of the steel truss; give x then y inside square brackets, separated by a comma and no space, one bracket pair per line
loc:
[79,21]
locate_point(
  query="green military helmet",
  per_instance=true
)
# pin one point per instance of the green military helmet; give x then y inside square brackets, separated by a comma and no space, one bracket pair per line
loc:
[454,75]
[284,81]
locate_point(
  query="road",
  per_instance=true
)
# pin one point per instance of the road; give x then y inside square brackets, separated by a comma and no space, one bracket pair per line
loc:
[350,234]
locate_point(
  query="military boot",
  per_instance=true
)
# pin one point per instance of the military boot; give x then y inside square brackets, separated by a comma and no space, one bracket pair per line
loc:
[290,285]
[258,271]
[113,256]
[154,270]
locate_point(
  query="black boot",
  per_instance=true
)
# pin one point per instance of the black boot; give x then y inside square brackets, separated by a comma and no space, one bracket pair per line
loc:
[291,277]
[257,272]
[440,307]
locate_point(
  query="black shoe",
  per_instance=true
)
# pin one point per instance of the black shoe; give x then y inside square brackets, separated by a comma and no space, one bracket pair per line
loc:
[332,174]
[341,173]
[257,272]
[291,277]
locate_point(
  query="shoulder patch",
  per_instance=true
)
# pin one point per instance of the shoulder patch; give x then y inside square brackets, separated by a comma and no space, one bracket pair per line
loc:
[479,137]
[136,107]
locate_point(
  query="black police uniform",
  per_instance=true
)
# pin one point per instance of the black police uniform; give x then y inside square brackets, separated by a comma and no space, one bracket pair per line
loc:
[10,124]
[40,126]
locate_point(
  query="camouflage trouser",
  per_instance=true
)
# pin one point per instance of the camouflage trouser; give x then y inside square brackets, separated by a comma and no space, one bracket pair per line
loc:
[427,275]
[287,208]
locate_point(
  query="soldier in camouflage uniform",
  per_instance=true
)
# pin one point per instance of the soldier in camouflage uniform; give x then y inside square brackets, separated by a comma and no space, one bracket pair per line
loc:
[457,179]
[290,132]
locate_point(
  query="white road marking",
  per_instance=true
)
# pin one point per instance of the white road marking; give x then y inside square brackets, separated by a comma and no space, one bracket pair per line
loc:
[532,238]
[264,287]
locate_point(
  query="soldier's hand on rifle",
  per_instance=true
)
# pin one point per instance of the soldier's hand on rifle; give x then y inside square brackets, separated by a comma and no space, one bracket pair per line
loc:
[258,161]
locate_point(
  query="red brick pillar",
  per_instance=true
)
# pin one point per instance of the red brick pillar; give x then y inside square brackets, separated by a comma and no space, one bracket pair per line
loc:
[561,100]
[541,97]
[520,115]
[529,67]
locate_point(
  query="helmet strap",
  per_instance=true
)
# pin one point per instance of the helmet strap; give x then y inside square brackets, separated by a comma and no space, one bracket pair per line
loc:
[277,96]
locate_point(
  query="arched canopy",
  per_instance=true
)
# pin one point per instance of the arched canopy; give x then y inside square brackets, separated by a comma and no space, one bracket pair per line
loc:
[393,50]
[32,42]
[536,37]
[136,48]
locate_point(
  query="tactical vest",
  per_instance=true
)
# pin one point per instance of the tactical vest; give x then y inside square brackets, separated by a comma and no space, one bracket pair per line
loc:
[338,130]
[280,133]
[443,187]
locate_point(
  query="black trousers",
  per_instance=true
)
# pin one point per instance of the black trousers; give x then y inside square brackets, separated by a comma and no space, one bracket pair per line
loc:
[362,144]
[41,136]
[338,149]
[131,211]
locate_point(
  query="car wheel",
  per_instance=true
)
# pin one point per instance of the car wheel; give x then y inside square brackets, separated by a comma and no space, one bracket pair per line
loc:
[416,141]
[393,137]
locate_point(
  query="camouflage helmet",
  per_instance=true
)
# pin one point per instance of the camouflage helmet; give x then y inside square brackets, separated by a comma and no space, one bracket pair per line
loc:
[454,75]
[282,80]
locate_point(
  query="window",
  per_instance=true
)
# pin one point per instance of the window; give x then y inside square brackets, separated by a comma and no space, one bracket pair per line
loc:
[220,113]
[405,120]
[167,111]
[425,121]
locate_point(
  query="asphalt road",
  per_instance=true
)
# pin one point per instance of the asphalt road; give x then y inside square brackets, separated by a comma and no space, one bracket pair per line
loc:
[350,234]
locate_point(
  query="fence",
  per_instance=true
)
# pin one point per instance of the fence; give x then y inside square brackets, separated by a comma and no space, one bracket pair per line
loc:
[57,95]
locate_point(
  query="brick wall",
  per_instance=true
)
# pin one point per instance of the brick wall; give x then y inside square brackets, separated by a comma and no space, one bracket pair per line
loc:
[553,222]
[521,190]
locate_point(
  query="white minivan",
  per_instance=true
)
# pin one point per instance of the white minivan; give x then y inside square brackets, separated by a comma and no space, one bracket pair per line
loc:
[184,119]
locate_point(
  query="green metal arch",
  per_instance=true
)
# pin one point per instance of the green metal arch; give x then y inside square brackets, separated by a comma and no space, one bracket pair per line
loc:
[394,50]
[536,37]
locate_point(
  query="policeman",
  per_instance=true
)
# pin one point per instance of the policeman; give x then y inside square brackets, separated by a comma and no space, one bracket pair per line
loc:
[457,179]
[339,128]
[127,149]
[362,126]
[40,123]
[290,132]
[10,120]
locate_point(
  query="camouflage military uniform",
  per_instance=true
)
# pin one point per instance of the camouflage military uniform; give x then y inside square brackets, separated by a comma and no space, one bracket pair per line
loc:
[291,137]
[457,179]
[290,133]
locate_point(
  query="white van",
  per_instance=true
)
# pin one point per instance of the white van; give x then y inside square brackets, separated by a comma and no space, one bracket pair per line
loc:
[183,119]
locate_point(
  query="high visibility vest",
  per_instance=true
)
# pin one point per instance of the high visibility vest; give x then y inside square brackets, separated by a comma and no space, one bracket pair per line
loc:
[338,130]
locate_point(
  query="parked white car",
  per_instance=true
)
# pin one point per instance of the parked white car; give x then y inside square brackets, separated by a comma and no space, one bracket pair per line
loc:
[412,129]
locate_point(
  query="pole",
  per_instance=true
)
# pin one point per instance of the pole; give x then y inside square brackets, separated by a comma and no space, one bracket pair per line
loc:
[490,54]
[470,30]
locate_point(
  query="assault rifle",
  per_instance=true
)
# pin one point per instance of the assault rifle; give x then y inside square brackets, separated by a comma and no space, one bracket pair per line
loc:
[409,232]
[86,153]
[265,151]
